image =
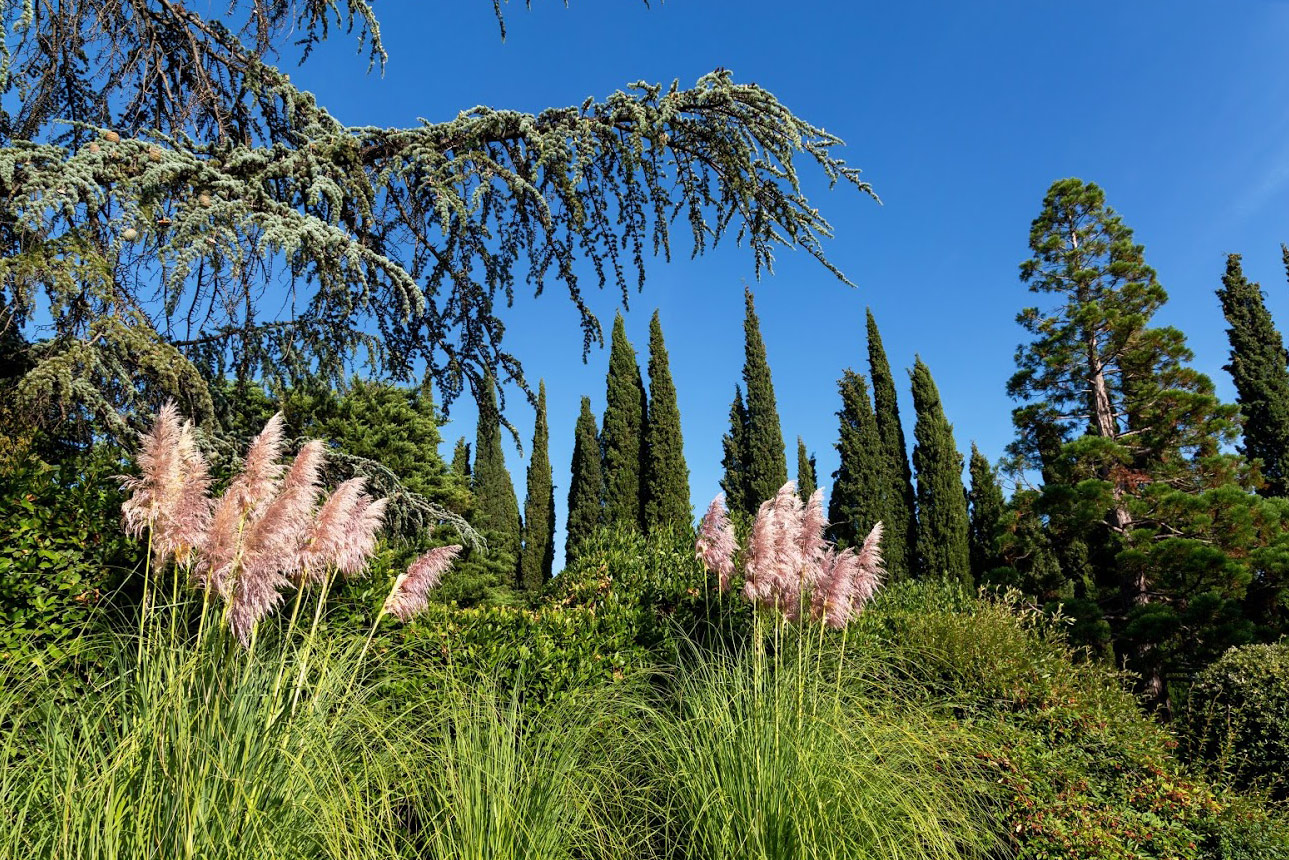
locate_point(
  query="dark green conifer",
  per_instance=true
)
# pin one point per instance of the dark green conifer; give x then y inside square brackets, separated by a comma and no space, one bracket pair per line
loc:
[987,507]
[539,507]
[898,513]
[496,505]
[807,477]
[586,489]
[666,475]
[734,448]
[765,463]
[942,501]
[856,504]
[1259,368]
[622,437]
[461,461]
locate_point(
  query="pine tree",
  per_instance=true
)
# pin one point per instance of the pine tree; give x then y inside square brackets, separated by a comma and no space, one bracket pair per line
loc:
[807,477]
[667,475]
[987,510]
[856,503]
[1260,368]
[942,500]
[539,507]
[586,489]
[765,463]
[497,507]
[898,513]
[1130,439]
[622,437]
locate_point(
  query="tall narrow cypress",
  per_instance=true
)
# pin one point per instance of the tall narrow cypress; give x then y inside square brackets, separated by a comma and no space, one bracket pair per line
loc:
[899,545]
[666,475]
[734,448]
[942,500]
[497,506]
[586,489]
[539,507]
[622,438]
[461,461]
[807,478]
[987,506]
[1259,368]
[766,462]
[856,502]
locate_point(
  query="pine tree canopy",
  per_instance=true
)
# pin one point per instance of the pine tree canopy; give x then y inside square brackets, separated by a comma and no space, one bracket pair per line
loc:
[195,178]
[898,513]
[622,436]
[765,460]
[666,490]
[807,477]
[860,482]
[538,554]
[734,458]
[586,489]
[942,500]
[1130,439]
[1260,368]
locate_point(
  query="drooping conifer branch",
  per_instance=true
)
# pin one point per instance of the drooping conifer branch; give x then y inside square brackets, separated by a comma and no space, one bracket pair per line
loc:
[277,242]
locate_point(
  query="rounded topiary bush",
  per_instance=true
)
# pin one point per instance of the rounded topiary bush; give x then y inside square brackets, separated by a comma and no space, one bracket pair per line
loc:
[1236,717]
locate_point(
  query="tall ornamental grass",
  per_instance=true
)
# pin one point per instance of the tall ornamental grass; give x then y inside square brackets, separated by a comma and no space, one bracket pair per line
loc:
[759,759]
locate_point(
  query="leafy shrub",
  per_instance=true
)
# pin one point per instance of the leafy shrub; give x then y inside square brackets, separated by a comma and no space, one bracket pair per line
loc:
[1085,773]
[1236,717]
[62,552]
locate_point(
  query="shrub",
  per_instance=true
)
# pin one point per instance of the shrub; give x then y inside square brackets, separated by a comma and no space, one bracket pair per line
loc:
[1086,774]
[62,552]
[1236,717]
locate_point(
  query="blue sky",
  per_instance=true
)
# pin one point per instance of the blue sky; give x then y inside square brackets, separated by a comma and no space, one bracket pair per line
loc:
[960,114]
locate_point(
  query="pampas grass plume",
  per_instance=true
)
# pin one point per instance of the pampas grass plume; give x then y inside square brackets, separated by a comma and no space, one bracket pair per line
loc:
[409,595]
[716,543]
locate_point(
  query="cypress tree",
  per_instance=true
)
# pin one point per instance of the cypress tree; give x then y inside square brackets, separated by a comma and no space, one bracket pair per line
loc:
[1259,368]
[734,446]
[496,506]
[622,438]
[539,507]
[856,501]
[898,513]
[765,462]
[987,508]
[461,461]
[807,478]
[667,476]
[942,500]
[586,489]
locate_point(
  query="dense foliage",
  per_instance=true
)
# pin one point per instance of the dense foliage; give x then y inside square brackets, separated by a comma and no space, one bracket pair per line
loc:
[942,543]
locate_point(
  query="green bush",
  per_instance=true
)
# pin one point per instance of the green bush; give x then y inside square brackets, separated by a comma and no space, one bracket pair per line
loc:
[1236,717]
[1086,774]
[63,555]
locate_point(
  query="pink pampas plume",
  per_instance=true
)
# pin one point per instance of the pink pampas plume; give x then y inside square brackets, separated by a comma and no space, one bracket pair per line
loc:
[261,474]
[359,543]
[324,541]
[716,542]
[276,535]
[169,498]
[409,594]
[868,577]
[833,597]
[811,542]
